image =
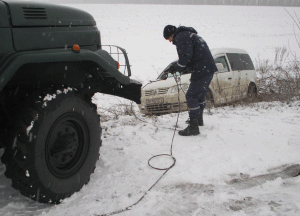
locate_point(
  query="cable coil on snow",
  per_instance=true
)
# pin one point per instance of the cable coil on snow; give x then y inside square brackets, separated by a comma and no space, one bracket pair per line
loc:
[173,164]
[171,154]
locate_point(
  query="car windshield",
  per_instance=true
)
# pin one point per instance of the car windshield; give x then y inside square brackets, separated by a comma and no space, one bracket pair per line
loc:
[164,76]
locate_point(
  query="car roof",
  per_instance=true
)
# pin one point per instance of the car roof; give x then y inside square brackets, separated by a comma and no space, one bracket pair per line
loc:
[217,51]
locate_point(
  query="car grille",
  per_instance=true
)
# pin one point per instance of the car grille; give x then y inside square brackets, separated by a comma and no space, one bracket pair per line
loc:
[165,108]
[156,91]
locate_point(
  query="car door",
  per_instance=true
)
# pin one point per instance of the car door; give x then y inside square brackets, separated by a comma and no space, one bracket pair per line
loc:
[236,65]
[241,64]
[223,84]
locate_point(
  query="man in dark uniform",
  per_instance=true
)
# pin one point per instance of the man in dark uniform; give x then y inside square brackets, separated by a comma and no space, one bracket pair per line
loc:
[194,54]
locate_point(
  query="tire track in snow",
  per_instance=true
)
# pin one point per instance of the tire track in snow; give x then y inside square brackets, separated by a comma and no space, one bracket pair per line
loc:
[200,199]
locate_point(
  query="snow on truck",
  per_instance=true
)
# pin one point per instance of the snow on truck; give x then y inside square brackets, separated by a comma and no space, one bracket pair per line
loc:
[51,64]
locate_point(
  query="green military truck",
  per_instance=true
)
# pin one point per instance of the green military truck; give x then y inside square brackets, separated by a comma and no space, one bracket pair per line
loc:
[51,64]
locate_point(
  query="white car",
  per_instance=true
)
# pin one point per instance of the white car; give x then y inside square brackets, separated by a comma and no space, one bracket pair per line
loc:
[234,80]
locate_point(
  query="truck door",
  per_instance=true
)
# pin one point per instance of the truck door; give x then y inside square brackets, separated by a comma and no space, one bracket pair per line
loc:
[223,83]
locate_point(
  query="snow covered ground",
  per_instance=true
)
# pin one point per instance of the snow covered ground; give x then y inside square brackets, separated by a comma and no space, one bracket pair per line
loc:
[240,164]
[243,161]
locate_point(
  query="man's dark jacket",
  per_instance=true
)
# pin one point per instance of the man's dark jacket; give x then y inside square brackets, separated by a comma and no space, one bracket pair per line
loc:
[193,53]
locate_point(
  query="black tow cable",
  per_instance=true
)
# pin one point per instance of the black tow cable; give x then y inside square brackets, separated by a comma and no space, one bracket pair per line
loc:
[171,150]
[155,156]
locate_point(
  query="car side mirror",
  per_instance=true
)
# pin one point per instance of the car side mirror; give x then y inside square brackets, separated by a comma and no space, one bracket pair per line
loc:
[220,66]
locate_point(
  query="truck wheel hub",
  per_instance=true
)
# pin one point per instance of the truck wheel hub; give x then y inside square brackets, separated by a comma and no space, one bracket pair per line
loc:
[65,149]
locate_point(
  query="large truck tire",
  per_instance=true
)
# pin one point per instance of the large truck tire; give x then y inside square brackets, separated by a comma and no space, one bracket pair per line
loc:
[55,147]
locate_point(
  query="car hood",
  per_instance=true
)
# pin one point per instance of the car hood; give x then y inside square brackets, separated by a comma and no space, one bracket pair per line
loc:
[167,83]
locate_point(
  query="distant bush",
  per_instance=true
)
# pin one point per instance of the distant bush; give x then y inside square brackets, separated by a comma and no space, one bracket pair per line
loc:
[117,110]
[279,80]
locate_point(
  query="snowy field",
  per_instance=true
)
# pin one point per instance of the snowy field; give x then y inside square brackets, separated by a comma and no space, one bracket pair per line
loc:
[139,29]
[242,163]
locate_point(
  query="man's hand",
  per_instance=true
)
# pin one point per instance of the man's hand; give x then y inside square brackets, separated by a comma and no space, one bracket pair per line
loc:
[170,69]
[179,68]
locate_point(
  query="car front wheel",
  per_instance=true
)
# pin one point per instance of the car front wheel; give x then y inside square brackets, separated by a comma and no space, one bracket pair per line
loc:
[209,99]
[252,91]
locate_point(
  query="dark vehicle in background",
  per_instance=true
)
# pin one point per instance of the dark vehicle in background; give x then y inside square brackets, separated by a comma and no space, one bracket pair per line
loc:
[51,63]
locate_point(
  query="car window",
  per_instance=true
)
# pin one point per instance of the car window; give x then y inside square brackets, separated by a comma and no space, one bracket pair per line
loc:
[223,61]
[240,61]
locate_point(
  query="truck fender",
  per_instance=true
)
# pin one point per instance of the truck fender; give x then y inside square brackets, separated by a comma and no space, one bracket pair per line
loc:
[12,62]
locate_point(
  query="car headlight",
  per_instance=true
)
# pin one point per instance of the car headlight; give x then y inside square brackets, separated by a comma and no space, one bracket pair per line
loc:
[182,87]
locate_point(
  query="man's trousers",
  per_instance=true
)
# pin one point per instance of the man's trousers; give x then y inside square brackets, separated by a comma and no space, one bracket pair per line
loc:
[195,96]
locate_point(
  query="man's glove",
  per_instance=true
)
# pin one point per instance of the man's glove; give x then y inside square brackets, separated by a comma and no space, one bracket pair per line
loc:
[179,68]
[171,69]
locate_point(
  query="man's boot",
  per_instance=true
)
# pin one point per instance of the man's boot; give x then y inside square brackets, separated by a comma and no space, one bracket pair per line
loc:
[192,129]
[200,120]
